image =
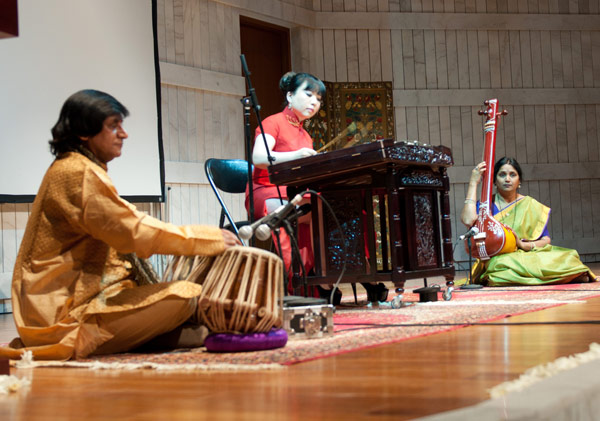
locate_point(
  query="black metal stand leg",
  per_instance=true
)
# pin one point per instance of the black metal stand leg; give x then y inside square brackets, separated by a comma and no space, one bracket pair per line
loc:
[469,284]
[247,103]
[285,270]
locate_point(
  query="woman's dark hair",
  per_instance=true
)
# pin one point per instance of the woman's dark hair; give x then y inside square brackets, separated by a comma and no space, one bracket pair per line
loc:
[83,114]
[511,161]
[292,81]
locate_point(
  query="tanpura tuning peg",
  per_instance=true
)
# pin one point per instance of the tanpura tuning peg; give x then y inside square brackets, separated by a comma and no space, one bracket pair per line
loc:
[486,102]
[481,112]
[504,112]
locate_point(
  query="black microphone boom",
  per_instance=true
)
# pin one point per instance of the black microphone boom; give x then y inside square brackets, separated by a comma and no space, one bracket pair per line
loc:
[472,232]
[276,216]
[264,230]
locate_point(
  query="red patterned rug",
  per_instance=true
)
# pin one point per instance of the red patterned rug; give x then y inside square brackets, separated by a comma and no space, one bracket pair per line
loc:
[360,327]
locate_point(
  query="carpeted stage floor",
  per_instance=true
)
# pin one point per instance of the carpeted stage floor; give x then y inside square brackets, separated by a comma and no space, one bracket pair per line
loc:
[423,371]
[361,326]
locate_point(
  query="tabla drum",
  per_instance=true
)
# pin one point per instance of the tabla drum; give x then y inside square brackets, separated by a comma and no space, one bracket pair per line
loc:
[243,292]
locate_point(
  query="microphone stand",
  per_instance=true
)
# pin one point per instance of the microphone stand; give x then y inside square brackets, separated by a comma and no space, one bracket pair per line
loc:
[252,100]
[247,103]
[296,262]
[469,285]
[276,232]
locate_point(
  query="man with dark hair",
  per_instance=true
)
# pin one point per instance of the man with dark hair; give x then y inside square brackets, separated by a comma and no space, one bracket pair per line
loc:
[79,284]
[83,115]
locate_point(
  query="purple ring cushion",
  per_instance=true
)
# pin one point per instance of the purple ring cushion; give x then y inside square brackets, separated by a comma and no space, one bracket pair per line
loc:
[244,342]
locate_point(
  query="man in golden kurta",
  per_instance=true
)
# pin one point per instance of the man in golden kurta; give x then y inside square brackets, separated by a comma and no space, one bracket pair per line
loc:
[79,285]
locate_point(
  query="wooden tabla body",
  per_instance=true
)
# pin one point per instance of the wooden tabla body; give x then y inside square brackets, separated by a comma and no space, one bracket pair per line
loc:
[243,292]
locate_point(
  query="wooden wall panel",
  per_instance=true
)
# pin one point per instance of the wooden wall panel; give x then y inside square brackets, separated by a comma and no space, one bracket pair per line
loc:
[536,133]
[364,68]
[424,59]
[441,69]
[452,57]
[9,249]
[352,54]
[200,124]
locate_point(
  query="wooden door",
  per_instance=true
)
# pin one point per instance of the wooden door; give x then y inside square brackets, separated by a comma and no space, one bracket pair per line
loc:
[9,22]
[267,51]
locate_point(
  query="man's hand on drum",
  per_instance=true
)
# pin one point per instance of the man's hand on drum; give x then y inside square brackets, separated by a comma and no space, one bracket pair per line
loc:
[230,239]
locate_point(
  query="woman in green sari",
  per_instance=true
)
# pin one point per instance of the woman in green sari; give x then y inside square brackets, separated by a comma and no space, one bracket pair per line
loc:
[536,261]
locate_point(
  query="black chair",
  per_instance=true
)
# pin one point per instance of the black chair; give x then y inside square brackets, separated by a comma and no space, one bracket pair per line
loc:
[230,176]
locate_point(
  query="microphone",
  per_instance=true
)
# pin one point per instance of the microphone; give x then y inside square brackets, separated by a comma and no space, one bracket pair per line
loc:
[472,232]
[264,230]
[250,88]
[244,65]
[278,214]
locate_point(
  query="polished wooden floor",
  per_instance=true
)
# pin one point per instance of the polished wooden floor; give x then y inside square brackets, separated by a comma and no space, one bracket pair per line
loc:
[406,380]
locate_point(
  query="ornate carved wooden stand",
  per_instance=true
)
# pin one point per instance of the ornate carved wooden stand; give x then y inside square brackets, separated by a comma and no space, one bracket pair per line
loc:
[406,236]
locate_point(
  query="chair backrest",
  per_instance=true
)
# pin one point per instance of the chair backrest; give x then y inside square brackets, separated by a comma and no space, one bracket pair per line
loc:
[230,176]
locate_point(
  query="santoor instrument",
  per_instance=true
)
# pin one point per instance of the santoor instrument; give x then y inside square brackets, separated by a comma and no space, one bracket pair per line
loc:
[411,182]
[493,237]
[242,289]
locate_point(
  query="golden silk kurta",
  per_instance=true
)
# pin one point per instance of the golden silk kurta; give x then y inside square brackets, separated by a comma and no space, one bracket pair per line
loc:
[70,279]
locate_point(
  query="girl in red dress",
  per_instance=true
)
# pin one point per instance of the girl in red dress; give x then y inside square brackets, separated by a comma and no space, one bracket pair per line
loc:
[286,140]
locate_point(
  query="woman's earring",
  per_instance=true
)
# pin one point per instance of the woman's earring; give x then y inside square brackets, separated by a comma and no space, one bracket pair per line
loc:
[289,105]
[519,186]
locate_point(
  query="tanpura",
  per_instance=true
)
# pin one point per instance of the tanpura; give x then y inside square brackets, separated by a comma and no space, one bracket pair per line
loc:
[492,237]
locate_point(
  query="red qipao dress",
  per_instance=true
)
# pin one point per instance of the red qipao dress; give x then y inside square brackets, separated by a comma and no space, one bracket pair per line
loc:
[289,136]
